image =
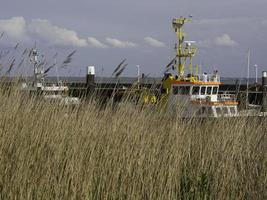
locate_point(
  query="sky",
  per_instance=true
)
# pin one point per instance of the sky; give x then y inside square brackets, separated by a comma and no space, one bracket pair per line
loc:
[105,32]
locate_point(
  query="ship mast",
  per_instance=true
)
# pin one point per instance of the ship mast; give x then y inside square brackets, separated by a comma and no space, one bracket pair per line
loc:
[38,70]
[183,51]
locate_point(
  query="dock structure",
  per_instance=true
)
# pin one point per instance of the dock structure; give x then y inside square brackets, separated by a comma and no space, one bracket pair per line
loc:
[107,85]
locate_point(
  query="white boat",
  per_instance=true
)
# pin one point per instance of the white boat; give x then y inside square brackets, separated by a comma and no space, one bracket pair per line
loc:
[56,92]
[200,98]
[193,94]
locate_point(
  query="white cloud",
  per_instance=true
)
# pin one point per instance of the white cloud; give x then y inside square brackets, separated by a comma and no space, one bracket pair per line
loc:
[96,43]
[15,28]
[153,42]
[55,35]
[120,44]
[225,40]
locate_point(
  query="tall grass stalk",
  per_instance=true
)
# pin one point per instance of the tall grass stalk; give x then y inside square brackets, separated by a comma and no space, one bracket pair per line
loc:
[50,151]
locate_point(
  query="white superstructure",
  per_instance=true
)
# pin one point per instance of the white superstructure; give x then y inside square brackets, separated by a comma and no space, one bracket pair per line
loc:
[56,92]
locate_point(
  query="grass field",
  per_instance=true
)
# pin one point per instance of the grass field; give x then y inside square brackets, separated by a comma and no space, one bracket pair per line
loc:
[49,151]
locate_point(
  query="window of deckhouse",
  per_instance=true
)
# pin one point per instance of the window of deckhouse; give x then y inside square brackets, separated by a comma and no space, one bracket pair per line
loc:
[184,90]
[215,90]
[203,90]
[175,90]
[195,90]
[209,90]
[181,90]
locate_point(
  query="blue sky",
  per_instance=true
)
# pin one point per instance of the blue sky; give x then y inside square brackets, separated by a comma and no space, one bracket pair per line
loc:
[104,32]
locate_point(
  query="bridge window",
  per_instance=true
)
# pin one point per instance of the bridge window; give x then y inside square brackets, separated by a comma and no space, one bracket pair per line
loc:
[195,90]
[203,90]
[209,90]
[175,90]
[215,90]
[182,90]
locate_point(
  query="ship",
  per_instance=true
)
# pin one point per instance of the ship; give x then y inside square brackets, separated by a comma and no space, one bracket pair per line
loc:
[51,92]
[193,94]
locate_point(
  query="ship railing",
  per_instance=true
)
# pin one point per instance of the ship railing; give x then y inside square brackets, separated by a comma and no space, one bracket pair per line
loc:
[209,78]
[226,97]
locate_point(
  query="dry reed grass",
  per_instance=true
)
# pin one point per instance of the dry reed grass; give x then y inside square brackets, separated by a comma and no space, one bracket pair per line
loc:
[56,152]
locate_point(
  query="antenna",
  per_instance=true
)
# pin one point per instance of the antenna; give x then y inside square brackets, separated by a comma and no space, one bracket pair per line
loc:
[55,63]
[247,100]
[138,74]
[34,60]
[256,73]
